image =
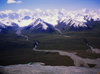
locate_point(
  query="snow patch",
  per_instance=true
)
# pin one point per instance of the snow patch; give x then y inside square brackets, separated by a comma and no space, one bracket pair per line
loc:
[39,21]
[78,18]
[23,23]
[44,26]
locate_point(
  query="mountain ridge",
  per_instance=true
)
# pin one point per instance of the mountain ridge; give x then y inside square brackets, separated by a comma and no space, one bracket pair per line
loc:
[59,19]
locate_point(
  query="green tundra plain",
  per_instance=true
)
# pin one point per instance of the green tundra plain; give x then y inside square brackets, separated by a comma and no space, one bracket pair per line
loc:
[16,49]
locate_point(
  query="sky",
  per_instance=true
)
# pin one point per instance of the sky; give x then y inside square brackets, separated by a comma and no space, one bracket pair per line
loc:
[69,5]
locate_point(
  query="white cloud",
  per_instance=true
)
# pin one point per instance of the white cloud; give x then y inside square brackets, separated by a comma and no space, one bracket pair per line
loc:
[48,10]
[6,11]
[63,10]
[13,1]
[56,10]
[38,10]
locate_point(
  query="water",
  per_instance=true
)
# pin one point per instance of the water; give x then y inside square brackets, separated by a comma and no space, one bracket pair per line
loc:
[35,45]
[18,32]
[58,31]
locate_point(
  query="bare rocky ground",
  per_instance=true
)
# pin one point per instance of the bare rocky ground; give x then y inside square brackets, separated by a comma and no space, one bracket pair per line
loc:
[39,68]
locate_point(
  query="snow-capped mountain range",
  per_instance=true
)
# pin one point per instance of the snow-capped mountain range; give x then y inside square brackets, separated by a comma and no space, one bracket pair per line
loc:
[25,17]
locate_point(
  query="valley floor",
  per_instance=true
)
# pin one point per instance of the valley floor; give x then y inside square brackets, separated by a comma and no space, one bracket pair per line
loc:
[78,61]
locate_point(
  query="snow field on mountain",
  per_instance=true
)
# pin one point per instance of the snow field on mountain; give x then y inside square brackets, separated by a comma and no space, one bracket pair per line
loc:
[24,17]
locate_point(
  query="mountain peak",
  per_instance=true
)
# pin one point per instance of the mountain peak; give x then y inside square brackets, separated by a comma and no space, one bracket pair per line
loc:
[39,22]
[27,17]
[39,19]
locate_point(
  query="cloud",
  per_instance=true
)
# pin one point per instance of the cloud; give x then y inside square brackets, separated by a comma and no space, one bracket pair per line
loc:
[6,11]
[48,10]
[13,1]
[38,10]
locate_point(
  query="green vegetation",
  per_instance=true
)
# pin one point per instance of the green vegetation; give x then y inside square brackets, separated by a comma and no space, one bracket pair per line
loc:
[10,58]
[15,49]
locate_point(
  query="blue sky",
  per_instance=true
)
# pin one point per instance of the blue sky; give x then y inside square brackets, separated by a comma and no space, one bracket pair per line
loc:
[69,5]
